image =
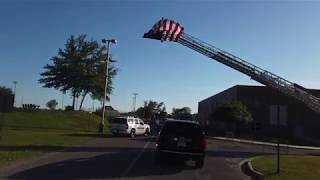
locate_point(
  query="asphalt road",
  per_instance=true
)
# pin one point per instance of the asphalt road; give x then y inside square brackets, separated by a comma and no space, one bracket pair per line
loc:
[125,158]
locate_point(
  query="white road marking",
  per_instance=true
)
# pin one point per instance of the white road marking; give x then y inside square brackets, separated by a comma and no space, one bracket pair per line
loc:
[128,169]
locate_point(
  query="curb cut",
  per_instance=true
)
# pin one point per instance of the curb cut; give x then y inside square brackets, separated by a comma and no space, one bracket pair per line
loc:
[247,169]
[244,172]
[253,170]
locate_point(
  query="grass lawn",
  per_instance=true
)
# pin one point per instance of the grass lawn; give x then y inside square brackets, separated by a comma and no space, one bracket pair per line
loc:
[291,167]
[26,134]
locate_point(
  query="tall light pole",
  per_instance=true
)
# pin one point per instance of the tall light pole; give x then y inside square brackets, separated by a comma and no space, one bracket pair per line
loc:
[14,91]
[108,42]
[134,102]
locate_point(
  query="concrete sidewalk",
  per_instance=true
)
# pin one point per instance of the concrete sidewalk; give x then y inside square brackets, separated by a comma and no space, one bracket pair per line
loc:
[264,143]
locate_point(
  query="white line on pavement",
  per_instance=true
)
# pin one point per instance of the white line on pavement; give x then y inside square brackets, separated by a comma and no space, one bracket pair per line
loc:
[128,169]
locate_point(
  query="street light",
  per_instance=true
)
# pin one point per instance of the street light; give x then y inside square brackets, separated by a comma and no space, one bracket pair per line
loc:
[108,42]
[134,102]
[14,91]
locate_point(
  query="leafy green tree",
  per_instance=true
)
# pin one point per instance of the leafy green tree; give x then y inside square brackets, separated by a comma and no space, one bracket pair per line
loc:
[80,69]
[152,109]
[52,104]
[5,91]
[234,113]
[182,113]
[96,86]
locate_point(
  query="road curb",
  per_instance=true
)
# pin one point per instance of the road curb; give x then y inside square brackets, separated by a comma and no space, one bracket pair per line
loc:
[249,171]
[264,143]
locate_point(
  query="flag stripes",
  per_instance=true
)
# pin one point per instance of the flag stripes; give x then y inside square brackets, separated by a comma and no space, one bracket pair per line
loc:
[169,30]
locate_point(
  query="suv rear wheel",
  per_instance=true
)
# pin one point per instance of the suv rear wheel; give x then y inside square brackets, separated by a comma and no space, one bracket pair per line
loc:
[147,132]
[199,162]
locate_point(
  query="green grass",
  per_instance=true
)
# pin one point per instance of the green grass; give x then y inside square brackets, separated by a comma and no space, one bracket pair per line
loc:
[26,134]
[291,167]
[60,120]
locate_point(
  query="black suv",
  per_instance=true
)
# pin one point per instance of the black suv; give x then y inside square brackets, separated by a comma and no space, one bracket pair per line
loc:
[183,139]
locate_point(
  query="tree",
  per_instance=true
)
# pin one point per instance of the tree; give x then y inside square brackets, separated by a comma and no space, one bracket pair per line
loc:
[52,104]
[152,109]
[5,91]
[98,81]
[182,113]
[80,69]
[234,113]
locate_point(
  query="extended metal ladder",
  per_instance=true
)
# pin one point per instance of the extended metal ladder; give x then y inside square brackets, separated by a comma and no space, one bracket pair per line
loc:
[258,74]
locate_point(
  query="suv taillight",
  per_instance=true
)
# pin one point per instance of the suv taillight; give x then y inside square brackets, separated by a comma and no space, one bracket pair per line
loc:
[157,141]
[126,126]
[204,143]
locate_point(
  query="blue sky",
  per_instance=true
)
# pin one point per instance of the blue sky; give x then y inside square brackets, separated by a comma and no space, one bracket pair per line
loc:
[280,37]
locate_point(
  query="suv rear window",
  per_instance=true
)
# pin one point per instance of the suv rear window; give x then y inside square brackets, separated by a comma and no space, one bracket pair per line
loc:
[181,129]
[120,120]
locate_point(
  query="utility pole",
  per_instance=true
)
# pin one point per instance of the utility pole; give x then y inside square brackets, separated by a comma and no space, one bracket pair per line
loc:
[108,42]
[134,102]
[14,91]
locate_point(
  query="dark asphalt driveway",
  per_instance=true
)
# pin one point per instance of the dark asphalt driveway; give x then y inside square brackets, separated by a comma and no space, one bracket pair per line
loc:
[125,158]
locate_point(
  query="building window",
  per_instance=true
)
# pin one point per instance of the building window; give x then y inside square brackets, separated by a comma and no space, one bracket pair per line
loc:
[278,111]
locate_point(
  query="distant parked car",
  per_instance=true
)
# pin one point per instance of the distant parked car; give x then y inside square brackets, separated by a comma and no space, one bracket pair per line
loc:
[183,139]
[129,126]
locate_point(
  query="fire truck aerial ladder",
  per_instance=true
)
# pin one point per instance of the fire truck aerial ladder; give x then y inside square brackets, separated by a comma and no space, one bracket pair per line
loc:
[168,30]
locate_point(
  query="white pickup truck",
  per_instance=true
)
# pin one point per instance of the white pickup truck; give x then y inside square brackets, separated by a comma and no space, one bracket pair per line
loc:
[129,126]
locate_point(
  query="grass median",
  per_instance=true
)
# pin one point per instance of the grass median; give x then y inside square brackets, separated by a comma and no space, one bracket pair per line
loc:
[291,167]
[27,134]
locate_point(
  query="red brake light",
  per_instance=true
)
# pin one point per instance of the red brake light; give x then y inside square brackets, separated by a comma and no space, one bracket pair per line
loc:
[157,141]
[204,143]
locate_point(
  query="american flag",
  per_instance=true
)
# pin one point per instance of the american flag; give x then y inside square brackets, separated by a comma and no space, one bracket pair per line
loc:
[166,30]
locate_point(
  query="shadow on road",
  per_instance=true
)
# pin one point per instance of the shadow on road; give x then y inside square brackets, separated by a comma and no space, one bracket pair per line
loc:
[112,164]
[113,161]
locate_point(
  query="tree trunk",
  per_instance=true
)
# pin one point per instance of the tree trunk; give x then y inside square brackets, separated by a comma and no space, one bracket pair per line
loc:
[84,95]
[73,100]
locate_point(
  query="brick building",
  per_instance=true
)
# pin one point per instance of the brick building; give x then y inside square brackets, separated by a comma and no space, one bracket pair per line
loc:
[267,105]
